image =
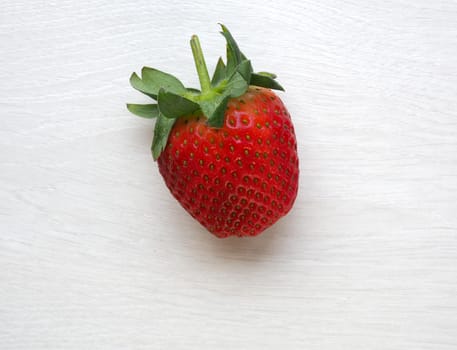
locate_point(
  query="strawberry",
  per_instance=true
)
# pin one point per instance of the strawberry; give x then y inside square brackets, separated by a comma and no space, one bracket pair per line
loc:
[227,152]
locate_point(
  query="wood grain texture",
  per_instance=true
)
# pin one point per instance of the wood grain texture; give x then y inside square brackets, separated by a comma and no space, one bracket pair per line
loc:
[96,254]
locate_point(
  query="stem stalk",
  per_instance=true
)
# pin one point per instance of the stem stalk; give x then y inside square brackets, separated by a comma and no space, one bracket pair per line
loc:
[200,64]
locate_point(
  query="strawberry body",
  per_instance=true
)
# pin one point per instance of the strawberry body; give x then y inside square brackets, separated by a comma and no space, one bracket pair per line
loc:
[238,179]
[226,151]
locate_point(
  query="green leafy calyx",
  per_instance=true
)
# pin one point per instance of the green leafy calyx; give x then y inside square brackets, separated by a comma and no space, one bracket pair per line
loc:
[174,100]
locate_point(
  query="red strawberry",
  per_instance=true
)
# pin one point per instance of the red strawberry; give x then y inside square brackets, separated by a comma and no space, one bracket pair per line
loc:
[228,154]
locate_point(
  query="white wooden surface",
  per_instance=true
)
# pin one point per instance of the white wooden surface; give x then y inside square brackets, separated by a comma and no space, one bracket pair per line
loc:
[95,253]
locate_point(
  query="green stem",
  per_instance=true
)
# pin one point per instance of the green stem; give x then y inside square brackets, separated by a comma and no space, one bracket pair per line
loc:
[200,64]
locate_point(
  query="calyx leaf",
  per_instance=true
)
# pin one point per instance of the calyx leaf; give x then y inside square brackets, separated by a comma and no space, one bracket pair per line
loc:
[145,111]
[265,81]
[245,69]
[234,55]
[161,131]
[215,110]
[174,106]
[219,72]
[237,60]
[152,80]
[267,74]
[236,86]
